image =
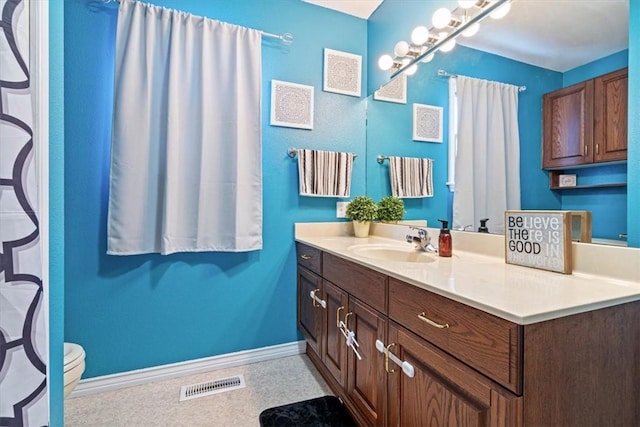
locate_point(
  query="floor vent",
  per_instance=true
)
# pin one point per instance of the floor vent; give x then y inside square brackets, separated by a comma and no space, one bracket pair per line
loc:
[207,388]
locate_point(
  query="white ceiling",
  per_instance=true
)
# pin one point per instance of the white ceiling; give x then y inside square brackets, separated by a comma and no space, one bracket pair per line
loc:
[360,8]
[555,34]
[558,35]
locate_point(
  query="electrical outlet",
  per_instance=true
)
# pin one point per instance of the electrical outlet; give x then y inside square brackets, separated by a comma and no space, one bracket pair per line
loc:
[341,209]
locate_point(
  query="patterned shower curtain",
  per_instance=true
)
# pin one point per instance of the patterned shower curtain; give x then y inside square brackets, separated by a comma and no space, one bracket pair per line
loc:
[23,336]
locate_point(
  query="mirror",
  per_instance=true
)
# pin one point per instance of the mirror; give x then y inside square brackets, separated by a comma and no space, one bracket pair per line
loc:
[389,126]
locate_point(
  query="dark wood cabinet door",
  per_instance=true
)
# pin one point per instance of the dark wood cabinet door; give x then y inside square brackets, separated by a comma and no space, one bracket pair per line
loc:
[309,313]
[366,379]
[610,114]
[443,391]
[334,353]
[567,122]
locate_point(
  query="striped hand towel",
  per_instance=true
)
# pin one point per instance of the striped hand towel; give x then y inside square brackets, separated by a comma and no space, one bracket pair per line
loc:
[325,173]
[410,177]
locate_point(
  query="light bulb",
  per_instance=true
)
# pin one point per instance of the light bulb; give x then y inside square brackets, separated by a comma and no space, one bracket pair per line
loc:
[411,70]
[385,62]
[420,35]
[471,30]
[449,45]
[501,12]
[441,17]
[401,48]
[427,58]
[466,4]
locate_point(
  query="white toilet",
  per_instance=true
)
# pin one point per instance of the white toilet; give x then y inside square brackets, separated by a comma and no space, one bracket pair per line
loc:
[73,366]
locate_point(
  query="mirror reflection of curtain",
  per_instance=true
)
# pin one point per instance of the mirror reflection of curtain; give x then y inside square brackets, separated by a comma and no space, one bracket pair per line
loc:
[186,170]
[487,163]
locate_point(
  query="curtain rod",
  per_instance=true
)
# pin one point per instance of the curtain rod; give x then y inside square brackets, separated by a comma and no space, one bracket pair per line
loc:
[443,73]
[286,38]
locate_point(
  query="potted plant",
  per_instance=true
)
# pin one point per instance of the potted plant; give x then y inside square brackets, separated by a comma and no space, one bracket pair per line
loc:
[391,209]
[362,210]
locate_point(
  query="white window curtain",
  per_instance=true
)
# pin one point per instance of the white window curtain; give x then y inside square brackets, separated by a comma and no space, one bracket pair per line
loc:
[186,169]
[487,161]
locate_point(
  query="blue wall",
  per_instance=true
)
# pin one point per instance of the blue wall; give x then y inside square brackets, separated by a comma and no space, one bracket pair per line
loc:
[596,68]
[139,311]
[56,212]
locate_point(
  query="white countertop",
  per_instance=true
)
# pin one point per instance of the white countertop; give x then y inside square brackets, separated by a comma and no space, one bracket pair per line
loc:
[519,294]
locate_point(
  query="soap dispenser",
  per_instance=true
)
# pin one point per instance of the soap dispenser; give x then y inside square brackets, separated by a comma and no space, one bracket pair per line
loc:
[444,241]
[483,226]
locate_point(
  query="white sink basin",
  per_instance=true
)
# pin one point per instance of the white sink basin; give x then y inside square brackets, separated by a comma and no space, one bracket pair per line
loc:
[391,252]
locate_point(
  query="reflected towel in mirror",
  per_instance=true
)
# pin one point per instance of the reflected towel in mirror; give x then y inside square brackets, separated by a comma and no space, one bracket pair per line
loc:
[410,177]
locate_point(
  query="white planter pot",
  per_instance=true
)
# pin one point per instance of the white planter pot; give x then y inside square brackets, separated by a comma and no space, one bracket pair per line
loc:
[361,228]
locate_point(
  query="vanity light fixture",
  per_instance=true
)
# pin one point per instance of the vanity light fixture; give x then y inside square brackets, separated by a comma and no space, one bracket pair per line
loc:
[447,25]
[448,45]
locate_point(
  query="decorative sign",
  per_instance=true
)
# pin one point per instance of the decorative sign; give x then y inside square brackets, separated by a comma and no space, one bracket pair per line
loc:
[539,239]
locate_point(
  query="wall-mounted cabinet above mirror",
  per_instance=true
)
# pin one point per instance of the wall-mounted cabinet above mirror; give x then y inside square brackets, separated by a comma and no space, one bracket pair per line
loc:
[569,41]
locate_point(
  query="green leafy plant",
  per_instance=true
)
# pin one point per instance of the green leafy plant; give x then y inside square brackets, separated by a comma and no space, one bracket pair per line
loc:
[391,209]
[362,208]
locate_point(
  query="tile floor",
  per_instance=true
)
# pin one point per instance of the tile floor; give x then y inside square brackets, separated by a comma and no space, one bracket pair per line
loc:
[271,383]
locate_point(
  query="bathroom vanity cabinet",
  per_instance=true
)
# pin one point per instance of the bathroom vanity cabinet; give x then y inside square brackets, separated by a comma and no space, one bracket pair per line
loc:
[586,123]
[463,366]
[360,381]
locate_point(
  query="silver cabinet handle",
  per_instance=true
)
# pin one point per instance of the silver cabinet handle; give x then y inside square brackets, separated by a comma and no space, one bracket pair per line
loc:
[305,256]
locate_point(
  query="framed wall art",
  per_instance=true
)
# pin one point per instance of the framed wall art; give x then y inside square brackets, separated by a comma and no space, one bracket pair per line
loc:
[342,72]
[291,105]
[393,91]
[427,123]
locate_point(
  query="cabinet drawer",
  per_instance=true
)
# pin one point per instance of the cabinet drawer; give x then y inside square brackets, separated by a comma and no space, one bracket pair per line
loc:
[365,284]
[485,342]
[309,257]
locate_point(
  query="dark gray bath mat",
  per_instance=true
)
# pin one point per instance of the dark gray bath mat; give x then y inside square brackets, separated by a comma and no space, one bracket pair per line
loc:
[326,411]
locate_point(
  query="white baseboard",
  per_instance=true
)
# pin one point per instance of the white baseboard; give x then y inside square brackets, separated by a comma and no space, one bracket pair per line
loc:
[160,373]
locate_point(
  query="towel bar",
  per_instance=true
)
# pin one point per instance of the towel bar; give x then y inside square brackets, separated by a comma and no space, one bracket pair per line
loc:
[382,158]
[293,152]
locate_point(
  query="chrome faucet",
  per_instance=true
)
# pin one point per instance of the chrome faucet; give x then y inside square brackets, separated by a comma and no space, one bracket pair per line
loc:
[422,240]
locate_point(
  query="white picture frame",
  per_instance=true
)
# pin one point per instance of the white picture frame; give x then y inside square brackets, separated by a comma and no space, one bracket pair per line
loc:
[291,105]
[427,123]
[393,91]
[342,73]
